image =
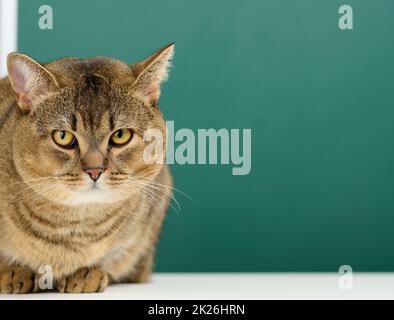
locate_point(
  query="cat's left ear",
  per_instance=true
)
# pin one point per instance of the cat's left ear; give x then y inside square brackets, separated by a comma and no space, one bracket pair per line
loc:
[151,72]
[31,81]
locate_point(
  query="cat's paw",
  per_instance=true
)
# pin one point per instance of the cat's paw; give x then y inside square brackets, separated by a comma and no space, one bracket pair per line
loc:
[84,281]
[17,280]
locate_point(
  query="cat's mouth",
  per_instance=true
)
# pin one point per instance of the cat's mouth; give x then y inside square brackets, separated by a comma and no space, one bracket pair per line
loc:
[89,187]
[93,186]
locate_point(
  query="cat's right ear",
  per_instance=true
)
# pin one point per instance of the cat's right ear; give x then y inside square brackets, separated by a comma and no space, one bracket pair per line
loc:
[31,81]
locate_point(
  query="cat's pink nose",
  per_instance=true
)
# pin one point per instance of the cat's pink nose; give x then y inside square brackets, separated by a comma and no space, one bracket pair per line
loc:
[94,173]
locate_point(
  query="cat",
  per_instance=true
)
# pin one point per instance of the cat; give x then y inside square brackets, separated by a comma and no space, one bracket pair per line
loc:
[76,195]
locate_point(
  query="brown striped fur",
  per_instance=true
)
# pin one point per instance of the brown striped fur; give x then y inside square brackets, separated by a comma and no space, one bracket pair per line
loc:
[46,216]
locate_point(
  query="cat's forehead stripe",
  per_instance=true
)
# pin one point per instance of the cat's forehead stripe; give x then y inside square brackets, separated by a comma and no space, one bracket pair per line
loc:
[94,104]
[74,122]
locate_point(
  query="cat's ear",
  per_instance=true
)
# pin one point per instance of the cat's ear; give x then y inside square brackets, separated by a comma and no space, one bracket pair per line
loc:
[151,72]
[31,81]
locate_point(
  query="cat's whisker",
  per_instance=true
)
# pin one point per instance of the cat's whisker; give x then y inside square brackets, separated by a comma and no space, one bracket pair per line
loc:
[150,192]
[159,184]
[161,189]
[39,178]
[29,187]
[144,196]
[153,182]
[155,195]
[33,184]
[149,196]
[29,181]
[36,191]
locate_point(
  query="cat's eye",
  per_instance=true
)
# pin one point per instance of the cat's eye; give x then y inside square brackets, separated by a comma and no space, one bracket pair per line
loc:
[64,139]
[121,137]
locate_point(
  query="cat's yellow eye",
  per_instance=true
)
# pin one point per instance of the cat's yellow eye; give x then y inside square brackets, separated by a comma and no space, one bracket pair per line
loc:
[121,137]
[64,138]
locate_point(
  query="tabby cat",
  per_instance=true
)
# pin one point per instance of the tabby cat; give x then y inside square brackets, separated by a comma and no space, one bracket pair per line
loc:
[76,194]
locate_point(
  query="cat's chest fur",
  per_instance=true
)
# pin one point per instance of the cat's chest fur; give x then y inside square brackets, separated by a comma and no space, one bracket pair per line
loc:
[66,239]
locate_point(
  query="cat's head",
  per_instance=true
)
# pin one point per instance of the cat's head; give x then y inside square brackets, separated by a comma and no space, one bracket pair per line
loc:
[79,131]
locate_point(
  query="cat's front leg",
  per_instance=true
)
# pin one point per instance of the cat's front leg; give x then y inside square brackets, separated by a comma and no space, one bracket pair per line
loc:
[18,280]
[143,270]
[85,280]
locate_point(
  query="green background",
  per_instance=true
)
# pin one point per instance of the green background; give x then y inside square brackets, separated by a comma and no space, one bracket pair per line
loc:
[319,102]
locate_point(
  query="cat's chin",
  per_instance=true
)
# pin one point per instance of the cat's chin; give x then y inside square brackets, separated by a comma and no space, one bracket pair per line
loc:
[91,195]
[86,196]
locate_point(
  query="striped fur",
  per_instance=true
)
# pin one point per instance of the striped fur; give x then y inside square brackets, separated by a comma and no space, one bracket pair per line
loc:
[44,218]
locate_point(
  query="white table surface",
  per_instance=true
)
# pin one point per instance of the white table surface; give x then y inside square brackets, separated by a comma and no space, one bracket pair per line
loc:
[207,286]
